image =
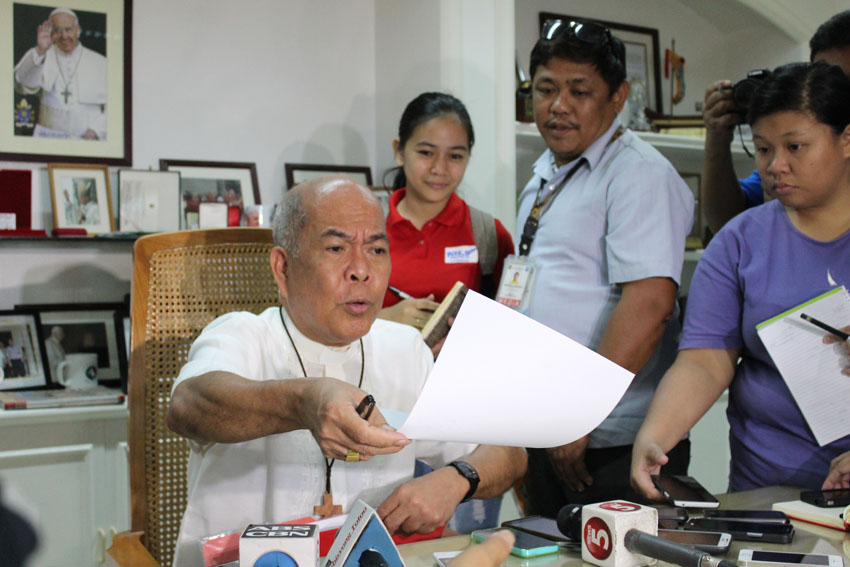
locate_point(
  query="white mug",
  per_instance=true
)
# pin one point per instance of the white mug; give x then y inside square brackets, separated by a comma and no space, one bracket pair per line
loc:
[78,371]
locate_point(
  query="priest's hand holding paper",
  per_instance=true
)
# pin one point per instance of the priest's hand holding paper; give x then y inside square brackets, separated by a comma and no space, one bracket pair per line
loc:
[330,412]
[222,407]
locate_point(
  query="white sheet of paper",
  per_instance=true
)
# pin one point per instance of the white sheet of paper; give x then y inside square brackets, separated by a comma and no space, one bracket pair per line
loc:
[505,379]
[811,368]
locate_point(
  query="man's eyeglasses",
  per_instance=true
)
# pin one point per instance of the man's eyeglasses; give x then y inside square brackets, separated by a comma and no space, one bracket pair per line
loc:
[587,32]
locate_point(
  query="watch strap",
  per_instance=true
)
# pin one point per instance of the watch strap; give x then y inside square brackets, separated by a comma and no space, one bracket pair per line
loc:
[468,472]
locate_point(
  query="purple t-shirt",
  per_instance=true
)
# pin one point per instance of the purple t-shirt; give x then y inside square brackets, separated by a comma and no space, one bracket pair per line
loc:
[756,267]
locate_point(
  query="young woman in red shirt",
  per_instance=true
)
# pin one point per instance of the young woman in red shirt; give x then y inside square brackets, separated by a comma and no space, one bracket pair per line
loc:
[430,228]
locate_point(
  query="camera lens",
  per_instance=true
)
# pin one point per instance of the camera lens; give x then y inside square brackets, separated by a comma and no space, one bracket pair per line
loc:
[742,92]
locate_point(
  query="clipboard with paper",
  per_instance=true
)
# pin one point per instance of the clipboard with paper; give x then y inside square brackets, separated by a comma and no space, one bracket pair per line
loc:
[811,368]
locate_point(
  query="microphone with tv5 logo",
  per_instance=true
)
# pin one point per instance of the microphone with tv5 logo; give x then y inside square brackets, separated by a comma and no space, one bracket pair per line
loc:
[622,534]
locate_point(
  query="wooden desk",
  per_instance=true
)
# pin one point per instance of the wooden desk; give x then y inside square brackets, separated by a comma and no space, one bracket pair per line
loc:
[807,537]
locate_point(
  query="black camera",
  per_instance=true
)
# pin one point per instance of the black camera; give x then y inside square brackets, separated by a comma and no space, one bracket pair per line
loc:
[743,90]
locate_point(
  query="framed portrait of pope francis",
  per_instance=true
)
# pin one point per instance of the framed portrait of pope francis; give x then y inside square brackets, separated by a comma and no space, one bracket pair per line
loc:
[69,94]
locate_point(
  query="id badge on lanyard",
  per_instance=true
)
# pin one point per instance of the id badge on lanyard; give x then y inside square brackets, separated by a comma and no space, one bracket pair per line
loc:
[517,282]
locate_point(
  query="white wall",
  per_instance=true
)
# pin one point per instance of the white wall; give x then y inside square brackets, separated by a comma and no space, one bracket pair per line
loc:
[262,81]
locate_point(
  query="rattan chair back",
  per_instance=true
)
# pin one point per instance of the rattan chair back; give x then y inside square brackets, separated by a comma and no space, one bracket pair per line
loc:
[181,282]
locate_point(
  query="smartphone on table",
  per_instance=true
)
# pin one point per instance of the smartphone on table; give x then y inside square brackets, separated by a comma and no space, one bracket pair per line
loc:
[711,542]
[771,516]
[768,532]
[827,498]
[761,558]
[539,526]
[684,491]
[671,518]
[526,544]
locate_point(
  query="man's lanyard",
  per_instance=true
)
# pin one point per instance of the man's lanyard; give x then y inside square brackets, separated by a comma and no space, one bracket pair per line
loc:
[541,206]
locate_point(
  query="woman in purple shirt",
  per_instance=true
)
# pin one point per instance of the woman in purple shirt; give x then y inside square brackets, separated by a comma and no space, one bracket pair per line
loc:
[763,262]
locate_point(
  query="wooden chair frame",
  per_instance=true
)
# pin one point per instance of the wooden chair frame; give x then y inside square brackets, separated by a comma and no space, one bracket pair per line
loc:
[144,410]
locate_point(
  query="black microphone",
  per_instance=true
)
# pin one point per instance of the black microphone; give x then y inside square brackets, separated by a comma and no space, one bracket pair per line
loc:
[671,552]
[569,521]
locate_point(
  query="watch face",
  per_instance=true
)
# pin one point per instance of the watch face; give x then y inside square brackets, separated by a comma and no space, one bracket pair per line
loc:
[466,470]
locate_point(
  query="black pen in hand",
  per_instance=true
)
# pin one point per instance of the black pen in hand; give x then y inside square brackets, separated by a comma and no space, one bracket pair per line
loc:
[366,406]
[828,328]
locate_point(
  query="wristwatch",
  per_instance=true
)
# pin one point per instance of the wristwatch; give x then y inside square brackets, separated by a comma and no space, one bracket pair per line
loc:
[468,472]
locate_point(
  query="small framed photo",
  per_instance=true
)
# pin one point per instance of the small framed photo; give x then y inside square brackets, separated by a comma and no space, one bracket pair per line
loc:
[77,328]
[23,364]
[300,172]
[147,200]
[81,197]
[231,183]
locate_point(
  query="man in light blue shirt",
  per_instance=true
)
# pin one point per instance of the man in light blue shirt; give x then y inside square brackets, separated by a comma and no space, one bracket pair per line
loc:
[608,247]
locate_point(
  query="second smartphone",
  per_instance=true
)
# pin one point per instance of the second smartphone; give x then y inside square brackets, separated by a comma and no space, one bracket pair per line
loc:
[715,543]
[745,531]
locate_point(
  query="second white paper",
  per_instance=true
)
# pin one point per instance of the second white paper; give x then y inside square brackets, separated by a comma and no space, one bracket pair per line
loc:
[505,379]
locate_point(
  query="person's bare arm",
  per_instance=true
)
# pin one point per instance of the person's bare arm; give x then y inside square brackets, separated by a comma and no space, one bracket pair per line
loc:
[222,407]
[722,197]
[697,378]
[638,322]
[630,338]
[423,504]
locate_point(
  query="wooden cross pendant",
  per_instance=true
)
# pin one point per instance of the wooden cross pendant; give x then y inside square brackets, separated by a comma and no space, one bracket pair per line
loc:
[327,508]
[66,93]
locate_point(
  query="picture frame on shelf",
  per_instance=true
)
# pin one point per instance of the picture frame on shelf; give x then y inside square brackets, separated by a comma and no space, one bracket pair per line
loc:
[88,120]
[643,55]
[147,200]
[81,197]
[85,328]
[24,366]
[300,172]
[232,183]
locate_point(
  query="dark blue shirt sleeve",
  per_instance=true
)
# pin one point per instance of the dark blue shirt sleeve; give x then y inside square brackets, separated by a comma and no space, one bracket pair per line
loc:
[751,186]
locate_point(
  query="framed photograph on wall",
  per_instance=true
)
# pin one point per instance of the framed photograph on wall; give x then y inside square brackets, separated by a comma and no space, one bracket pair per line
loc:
[147,200]
[81,197]
[23,364]
[80,112]
[232,183]
[300,172]
[643,55]
[76,328]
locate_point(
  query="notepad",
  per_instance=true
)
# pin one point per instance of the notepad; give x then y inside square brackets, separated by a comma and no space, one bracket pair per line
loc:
[829,517]
[810,368]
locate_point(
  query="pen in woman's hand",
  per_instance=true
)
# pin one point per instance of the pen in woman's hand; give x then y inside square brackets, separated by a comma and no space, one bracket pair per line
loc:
[399,293]
[828,328]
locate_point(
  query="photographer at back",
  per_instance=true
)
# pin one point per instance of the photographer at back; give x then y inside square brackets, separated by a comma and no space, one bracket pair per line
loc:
[763,262]
[725,196]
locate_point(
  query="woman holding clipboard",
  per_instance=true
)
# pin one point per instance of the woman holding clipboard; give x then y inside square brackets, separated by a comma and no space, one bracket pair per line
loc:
[763,262]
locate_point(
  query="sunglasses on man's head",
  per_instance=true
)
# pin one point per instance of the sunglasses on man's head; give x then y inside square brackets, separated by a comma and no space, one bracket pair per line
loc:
[587,32]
